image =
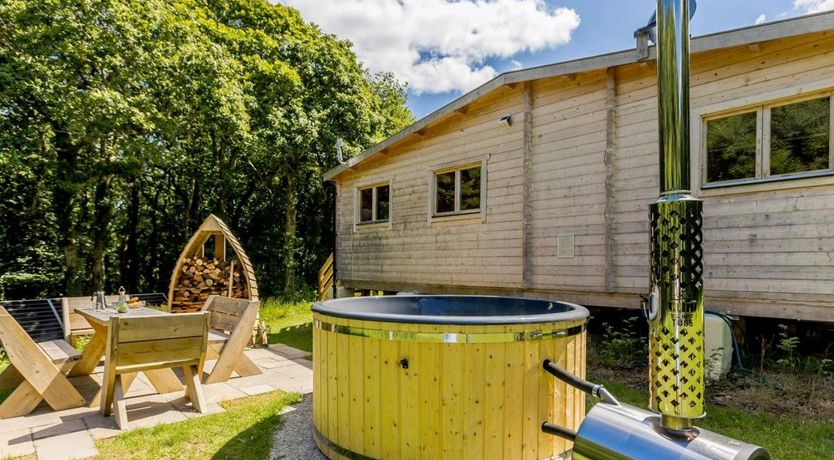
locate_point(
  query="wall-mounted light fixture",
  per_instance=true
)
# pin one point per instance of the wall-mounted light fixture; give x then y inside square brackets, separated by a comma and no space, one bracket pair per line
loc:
[508,119]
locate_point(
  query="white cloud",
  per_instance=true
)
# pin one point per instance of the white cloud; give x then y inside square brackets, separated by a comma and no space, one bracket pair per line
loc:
[762,18]
[813,6]
[441,45]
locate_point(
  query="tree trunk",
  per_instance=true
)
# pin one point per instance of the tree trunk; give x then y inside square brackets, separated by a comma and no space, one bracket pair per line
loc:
[64,204]
[191,208]
[102,214]
[130,258]
[153,281]
[289,236]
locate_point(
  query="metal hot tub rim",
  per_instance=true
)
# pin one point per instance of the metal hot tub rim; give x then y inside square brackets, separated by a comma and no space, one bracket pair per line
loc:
[429,359]
[469,310]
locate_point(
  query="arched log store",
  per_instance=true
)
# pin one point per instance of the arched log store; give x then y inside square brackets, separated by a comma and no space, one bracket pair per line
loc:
[197,276]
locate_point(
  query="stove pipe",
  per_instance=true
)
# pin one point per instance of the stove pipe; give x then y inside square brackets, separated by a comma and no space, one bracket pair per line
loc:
[676,307]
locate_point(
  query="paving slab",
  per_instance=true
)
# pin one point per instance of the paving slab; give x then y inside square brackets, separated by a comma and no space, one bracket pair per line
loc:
[283,351]
[152,413]
[16,443]
[58,429]
[217,392]
[210,409]
[70,433]
[78,444]
[257,389]
[101,427]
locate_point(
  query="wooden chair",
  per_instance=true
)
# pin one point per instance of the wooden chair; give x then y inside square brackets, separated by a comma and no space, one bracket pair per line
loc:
[37,371]
[141,344]
[232,322]
[74,324]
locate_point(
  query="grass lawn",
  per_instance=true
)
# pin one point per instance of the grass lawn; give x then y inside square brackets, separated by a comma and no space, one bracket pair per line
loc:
[784,436]
[244,431]
[290,321]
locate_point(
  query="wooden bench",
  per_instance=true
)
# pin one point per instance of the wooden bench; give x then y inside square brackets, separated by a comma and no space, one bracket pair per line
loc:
[37,371]
[149,343]
[232,322]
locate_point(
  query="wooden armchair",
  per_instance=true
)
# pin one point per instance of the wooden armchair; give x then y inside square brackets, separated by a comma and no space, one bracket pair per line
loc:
[141,344]
[37,371]
[232,322]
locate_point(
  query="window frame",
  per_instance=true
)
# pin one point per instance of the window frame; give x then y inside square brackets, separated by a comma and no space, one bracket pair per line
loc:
[457,214]
[374,186]
[763,142]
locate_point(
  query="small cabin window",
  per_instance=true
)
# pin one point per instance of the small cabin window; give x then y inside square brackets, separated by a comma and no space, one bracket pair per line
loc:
[771,142]
[375,203]
[458,191]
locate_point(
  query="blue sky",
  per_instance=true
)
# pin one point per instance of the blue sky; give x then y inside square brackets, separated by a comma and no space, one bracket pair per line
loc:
[444,48]
[608,25]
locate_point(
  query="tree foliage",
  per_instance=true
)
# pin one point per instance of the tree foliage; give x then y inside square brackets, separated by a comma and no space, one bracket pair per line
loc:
[123,123]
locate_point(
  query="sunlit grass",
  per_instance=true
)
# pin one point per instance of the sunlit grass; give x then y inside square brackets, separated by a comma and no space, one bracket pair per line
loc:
[244,431]
[784,437]
[290,321]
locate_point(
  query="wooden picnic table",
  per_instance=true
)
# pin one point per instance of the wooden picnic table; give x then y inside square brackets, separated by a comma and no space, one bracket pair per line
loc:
[164,380]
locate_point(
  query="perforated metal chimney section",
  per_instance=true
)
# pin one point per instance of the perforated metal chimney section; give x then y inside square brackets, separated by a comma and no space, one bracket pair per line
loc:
[676,326]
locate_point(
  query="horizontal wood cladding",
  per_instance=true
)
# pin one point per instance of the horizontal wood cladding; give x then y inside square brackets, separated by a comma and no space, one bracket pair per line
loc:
[460,249]
[767,252]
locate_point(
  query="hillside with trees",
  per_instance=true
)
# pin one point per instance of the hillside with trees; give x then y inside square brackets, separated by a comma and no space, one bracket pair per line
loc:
[124,123]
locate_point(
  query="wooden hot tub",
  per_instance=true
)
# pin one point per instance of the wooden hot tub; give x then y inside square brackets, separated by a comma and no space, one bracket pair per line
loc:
[453,377]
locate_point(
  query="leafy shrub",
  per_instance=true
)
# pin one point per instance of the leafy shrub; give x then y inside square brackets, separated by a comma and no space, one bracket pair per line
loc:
[621,347]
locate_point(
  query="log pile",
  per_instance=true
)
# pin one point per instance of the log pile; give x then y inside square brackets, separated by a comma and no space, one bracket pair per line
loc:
[202,277]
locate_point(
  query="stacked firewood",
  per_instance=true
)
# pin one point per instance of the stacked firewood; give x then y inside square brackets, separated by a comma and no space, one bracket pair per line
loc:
[202,277]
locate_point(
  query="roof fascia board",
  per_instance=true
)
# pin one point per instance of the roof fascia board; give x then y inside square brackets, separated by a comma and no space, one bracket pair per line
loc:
[738,37]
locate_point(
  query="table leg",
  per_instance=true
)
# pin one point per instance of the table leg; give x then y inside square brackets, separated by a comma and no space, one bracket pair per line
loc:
[164,380]
[92,353]
[127,381]
[10,378]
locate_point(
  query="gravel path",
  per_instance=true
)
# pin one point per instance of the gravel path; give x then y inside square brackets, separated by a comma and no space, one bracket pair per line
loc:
[294,440]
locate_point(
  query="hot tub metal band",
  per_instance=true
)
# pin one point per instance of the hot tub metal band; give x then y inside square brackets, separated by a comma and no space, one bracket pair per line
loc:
[347,453]
[448,337]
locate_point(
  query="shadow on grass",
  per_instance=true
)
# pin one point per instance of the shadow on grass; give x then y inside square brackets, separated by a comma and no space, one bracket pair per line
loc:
[299,336]
[252,443]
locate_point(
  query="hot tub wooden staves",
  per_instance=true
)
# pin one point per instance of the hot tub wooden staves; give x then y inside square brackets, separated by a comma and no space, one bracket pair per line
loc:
[394,390]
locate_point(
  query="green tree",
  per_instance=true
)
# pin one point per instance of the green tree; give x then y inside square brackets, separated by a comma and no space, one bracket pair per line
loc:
[123,123]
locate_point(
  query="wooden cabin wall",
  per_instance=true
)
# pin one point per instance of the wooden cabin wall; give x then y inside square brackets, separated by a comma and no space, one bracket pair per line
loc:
[447,251]
[767,253]
[591,158]
[568,182]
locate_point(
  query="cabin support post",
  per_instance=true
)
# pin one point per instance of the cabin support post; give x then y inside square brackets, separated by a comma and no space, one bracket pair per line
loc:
[527,211]
[610,150]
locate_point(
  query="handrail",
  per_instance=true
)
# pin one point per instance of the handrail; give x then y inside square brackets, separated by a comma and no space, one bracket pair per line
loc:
[326,278]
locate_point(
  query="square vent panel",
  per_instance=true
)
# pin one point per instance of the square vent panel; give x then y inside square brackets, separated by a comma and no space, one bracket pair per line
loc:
[566,243]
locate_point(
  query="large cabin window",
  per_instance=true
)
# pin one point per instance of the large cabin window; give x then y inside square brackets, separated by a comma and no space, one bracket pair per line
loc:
[771,142]
[375,203]
[458,191]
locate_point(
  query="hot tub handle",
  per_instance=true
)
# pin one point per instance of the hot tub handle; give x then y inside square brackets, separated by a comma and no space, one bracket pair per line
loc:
[557,430]
[595,390]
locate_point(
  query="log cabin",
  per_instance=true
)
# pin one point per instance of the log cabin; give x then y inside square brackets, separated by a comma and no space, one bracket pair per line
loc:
[538,182]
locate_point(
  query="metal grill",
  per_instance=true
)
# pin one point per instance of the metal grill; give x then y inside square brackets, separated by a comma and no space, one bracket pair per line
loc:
[40,318]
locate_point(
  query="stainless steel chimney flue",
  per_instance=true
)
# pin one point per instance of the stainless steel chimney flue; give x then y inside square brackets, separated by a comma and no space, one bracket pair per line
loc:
[676,313]
[675,309]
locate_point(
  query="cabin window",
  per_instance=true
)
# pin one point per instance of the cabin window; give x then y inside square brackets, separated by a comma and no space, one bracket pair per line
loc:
[777,141]
[458,191]
[374,203]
